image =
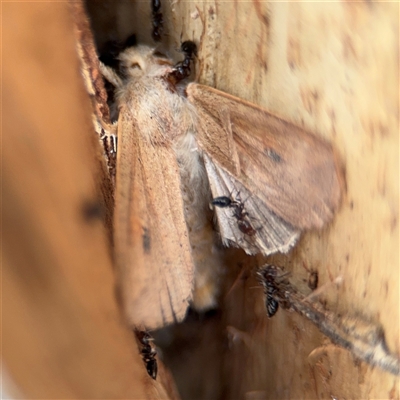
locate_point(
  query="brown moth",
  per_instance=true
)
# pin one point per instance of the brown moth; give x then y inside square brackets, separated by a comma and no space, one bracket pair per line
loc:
[178,148]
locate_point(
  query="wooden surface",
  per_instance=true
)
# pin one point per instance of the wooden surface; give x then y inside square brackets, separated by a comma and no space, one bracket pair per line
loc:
[331,67]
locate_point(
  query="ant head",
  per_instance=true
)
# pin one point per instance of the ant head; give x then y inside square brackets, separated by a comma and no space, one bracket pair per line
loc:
[189,48]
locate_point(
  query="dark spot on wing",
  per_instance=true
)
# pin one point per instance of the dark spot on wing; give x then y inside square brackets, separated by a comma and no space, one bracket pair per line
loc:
[146,240]
[313,280]
[93,210]
[273,155]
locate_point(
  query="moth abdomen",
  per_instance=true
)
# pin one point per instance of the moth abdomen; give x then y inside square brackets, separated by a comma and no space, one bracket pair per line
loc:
[196,197]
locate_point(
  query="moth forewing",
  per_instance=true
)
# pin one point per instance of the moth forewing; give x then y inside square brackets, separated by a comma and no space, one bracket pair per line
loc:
[151,240]
[294,173]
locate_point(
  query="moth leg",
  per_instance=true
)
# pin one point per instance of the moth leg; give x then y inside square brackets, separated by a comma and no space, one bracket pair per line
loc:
[108,132]
[109,142]
[111,75]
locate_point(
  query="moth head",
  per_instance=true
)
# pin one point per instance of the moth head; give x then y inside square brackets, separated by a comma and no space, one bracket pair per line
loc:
[143,60]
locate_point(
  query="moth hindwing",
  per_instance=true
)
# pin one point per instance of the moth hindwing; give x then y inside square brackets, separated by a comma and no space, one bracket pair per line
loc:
[177,150]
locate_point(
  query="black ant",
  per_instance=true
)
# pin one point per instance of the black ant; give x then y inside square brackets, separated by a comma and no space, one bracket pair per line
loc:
[157,20]
[148,353]
[182,69]
[239,213]
[268,275]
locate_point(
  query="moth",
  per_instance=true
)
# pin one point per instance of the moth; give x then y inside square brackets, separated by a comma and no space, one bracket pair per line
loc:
[179,147]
